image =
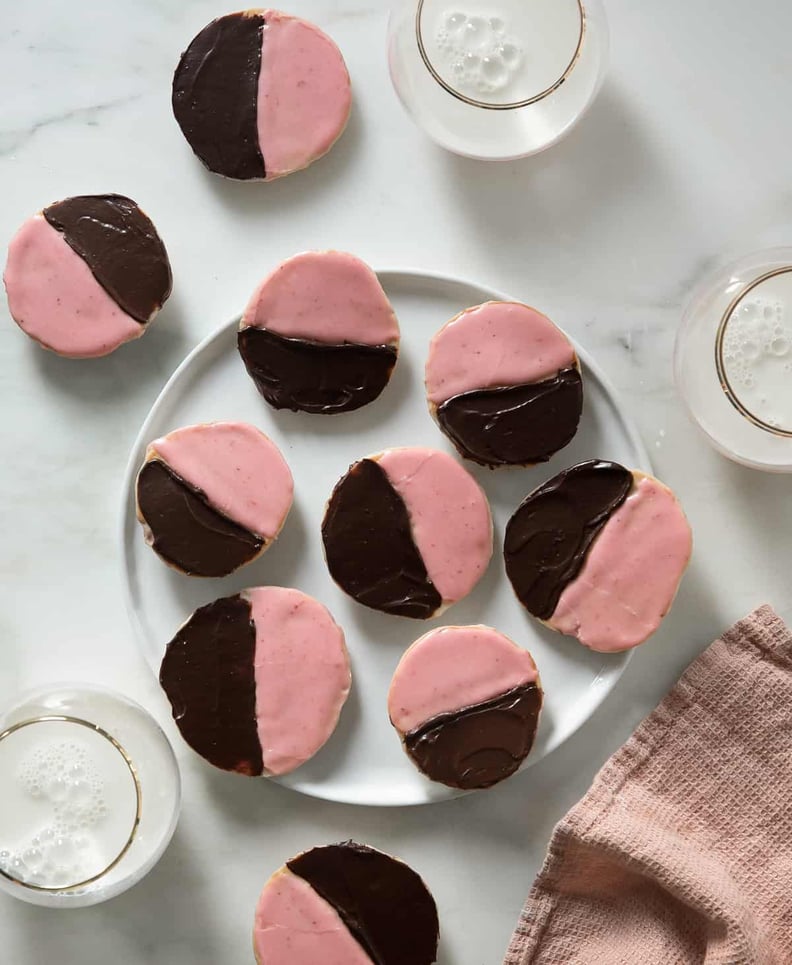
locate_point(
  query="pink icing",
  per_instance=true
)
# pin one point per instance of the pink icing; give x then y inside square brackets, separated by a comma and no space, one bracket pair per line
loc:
[450,517]
[302,675]
[326,296]
[452,668]
[296,926]
[631,574]
[239,469]
[55,299]
[304,94]
[495,344]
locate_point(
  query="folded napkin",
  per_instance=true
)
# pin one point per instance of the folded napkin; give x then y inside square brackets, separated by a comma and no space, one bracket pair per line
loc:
[681,852]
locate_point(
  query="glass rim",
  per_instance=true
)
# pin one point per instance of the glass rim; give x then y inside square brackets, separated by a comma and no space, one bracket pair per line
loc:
[720,363]
[488,105]
[67,719]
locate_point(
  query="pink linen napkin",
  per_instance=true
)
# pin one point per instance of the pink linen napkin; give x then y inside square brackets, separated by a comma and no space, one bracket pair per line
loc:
[681,852]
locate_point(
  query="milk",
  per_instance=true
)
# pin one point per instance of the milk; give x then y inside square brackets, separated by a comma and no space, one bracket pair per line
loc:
[757,354]
[506,51]
[90,795]
[497,78]
[69,804]
[733,359]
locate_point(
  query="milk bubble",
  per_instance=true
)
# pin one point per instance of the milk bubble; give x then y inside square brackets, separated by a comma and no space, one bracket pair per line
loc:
[475,29]
[495,71]
[58,854]
[63,851]
[33,856]
[757,343]
[80,791]
[478,52]
[751,349]
[454,22]
[58,789]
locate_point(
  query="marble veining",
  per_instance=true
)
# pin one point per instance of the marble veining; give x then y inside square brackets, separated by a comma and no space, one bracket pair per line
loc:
[13,140]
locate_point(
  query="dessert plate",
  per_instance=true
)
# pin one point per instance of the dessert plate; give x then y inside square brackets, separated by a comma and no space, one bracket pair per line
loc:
[363,763]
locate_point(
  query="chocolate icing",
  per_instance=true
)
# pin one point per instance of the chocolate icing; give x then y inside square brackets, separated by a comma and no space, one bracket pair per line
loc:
[515,426]
[207,674]
[370,549]
[121,247]
[186,530]
[481,745]
[215,93]
[384,903]
[549,535]
[307,376]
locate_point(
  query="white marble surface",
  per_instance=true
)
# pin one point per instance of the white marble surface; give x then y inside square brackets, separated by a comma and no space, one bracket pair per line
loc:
[682,162]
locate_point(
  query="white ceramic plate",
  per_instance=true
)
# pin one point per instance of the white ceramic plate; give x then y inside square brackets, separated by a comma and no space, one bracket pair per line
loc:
[363,762]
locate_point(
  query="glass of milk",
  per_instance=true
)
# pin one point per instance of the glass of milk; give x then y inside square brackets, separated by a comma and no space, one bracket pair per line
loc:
[733,360]
[90,796]
[497,79]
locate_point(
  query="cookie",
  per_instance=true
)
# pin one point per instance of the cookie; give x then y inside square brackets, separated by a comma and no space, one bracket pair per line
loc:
[260,94]
[319,334]
[86,275]
[466,702]
[504,384]
[345,904]
[407,532]
[257,680]
[213,497]
[598,553]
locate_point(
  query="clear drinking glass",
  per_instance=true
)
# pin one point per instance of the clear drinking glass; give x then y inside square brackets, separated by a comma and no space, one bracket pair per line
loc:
[497,79]
[90,796]
[733,360]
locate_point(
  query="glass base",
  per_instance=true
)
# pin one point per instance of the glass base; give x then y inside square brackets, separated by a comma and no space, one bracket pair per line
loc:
[91,796]
[733,360]
[500,116]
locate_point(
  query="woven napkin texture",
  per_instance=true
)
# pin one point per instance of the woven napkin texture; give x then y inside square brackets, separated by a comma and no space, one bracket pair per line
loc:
[681,852]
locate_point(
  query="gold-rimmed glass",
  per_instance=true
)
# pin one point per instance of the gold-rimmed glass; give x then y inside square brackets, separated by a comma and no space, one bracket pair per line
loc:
[130,786]
[733,359]
[497,79]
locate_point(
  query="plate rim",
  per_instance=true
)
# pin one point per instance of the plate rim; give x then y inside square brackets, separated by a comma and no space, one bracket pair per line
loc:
[605,681]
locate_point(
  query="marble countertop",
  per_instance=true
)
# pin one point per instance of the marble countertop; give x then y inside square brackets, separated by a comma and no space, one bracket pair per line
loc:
[682,163]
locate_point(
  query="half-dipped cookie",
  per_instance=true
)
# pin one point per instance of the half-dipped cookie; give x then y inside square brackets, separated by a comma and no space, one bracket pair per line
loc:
[86,275]
[407,532]
[319,334]
[213,497]
[345,904]
[504,384]
[466,702]
[598,553]
[259,94]
[257,680]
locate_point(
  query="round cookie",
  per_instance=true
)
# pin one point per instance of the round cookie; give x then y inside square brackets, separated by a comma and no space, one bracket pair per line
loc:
[319,334]
[260,94]
[407,532]
[345,904]
[598,553]
[504,384]
[466,703]
[213,497]
[86,275]
[257,680]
